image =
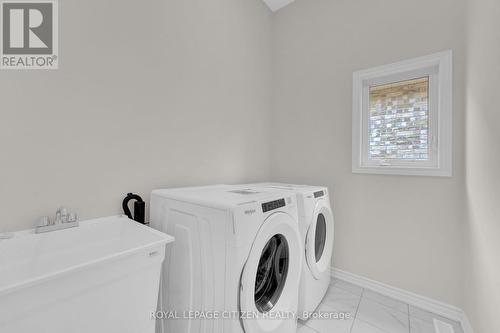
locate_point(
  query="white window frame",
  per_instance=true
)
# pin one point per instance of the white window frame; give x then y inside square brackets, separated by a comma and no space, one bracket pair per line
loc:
[439,68]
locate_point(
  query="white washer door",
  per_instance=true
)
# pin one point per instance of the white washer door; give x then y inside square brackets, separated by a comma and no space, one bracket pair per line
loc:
[319,242]
[270,278]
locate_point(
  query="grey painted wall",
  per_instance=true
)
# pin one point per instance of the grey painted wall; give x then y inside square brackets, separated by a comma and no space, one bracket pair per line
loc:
[404,231]
[482,233]
[149,94]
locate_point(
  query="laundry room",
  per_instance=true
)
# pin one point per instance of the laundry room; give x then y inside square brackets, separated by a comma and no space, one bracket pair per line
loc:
[249,166]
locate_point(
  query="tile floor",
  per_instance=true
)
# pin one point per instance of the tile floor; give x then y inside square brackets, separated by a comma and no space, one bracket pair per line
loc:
[370,312]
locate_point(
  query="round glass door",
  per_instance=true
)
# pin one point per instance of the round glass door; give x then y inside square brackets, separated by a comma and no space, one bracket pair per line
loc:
[320,237]
[319,242]
[271,276]
[271,273]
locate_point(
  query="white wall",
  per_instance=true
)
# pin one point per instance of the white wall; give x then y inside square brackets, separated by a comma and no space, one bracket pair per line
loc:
[404,231]
[148,94]
[482,266]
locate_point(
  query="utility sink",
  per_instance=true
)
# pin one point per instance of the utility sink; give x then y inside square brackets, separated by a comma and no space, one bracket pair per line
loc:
[102,276]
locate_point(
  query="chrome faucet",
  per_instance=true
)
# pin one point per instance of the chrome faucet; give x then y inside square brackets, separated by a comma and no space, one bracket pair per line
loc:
[63,220]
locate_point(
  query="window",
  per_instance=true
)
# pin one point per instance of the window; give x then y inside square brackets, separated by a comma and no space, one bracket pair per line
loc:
[402,122]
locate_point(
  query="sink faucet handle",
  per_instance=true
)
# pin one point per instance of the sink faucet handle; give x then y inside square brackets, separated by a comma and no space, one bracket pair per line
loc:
[64,215]
[72,217]
[61,215]
[43,221]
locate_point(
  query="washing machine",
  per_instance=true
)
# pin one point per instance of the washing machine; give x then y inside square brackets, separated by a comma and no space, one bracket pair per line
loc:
[235,265]
[316,225]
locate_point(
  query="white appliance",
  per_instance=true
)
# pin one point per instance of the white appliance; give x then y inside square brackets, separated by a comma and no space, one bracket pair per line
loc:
[235,250]
[316,227]
[102,276]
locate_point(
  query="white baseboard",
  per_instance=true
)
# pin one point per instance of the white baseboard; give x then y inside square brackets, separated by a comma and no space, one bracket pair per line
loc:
[426,303]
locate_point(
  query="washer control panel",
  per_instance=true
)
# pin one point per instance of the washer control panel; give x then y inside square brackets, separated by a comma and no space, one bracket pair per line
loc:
[319,194]
[272,205]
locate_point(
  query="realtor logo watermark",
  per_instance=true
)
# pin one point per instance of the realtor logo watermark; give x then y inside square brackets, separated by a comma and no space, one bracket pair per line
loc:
[29,34]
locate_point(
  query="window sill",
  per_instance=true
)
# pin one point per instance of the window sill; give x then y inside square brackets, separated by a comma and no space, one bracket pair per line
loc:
[403,171]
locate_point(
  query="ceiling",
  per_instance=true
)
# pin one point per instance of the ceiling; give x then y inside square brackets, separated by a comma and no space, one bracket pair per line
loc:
[275,5]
